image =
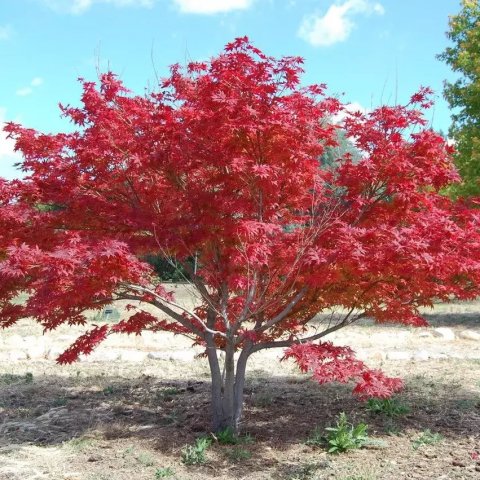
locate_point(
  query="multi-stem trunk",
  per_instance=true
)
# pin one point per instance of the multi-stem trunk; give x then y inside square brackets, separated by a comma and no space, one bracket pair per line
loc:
[227,386]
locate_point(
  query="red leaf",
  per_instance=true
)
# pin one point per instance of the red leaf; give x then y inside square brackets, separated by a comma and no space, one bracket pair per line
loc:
[85,344]
[329,363]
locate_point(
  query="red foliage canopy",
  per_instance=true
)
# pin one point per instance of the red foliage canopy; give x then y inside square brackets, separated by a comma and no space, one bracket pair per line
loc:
[222,163]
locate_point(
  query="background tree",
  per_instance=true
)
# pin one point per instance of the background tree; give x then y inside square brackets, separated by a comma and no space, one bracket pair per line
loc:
[168,269]
[463,95]
[222,164]
[333,154]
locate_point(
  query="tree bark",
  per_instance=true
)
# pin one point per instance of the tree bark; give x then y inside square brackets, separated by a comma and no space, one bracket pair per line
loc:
[216,388]
[227,389]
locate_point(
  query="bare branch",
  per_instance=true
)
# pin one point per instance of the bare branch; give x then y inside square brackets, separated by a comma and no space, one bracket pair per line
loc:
[199,284]
[248,302]
[223,294]
[171,313]
[311,338]
[278,318]
[162,303]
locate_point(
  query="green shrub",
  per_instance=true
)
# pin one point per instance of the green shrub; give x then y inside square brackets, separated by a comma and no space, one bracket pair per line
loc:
[344,436]
[164,472]
[426,438]
[227,437]
[195,454]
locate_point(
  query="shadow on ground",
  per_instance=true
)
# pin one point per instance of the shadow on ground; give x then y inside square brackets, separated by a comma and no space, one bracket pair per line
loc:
[465,320]
[441,319]
[280,413]
[50,410]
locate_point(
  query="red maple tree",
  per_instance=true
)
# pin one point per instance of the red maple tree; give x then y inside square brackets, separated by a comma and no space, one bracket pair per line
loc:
[222,164]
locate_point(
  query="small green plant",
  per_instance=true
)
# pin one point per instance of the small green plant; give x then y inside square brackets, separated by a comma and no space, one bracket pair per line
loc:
[390,407]
[238,454]
[29,377]
[109,390]
[227,437]
[344,436]
[426,438]
[195,454]
[166,394]
[145,459]
[80,443]
[164,472]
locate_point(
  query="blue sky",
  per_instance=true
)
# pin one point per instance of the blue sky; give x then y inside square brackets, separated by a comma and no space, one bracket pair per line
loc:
[369,51]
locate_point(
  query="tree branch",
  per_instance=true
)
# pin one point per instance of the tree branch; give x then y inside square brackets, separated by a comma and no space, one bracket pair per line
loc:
[248,302]
[279,317]
[160,303]
[323,333]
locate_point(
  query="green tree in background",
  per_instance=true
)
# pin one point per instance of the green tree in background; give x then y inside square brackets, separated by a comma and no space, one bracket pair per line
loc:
[331,154]
[463,95]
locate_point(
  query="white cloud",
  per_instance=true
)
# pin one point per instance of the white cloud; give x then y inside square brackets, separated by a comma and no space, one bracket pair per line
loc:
[351,107]
[379,9]
[8,157]
[36,82]
[24,91]
[209,7]
[5,32]
[337,23]
[78,7]
[203,7]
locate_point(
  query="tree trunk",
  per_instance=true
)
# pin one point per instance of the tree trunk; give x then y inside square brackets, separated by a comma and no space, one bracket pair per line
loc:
[227,389]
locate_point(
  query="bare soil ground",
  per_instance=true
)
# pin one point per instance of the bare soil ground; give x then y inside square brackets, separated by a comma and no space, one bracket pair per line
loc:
[129,419]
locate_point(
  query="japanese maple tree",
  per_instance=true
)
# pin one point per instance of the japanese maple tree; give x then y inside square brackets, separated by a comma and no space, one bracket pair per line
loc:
[221,164]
